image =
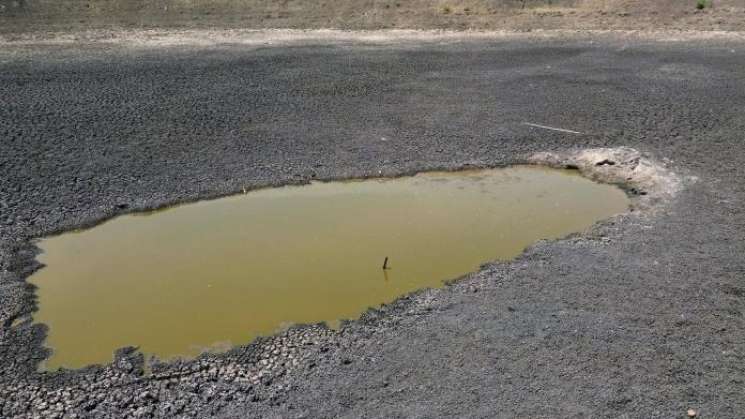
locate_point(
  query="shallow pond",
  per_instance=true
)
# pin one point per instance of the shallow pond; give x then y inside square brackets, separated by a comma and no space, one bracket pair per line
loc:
[211,274]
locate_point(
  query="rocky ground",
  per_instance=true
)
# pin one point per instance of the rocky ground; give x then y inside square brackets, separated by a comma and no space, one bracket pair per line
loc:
[640,317]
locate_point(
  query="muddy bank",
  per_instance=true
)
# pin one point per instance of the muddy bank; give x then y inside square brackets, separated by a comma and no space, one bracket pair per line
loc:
[641,315]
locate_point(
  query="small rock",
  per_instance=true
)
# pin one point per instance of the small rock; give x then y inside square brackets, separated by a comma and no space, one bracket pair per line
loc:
[691,413]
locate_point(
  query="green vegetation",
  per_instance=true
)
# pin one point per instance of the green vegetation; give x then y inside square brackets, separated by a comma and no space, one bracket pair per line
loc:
[702,4]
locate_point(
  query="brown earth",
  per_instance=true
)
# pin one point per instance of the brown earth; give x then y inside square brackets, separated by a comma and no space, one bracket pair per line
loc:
[24,16]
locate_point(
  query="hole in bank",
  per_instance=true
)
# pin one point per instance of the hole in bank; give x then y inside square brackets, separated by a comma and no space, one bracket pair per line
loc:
[212,274]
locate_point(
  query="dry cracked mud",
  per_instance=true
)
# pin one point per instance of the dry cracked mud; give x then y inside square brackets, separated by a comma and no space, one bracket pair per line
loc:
[642,316]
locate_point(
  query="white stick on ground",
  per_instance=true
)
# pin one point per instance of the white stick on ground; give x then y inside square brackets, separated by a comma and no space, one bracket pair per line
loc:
[551,128]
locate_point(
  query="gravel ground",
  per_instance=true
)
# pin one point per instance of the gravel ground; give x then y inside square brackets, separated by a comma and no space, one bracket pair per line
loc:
[640,317]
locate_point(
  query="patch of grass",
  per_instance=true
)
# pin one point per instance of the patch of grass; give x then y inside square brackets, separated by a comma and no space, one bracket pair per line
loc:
[446,10]
[702,4]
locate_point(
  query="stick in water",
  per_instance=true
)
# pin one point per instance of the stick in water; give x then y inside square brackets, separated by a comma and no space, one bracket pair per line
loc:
[385,263]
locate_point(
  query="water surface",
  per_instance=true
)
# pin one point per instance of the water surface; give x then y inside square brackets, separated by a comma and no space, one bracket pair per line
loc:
[217,273]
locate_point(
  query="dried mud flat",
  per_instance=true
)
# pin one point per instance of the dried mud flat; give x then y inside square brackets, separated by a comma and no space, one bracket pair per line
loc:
[640,316]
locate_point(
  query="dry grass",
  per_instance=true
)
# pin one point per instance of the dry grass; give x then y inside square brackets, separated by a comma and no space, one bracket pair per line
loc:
[33,15]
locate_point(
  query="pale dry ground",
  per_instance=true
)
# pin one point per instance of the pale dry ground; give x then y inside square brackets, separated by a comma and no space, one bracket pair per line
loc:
[260,38]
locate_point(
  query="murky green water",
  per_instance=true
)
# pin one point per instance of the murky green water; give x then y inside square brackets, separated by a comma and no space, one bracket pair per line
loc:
[212,274]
